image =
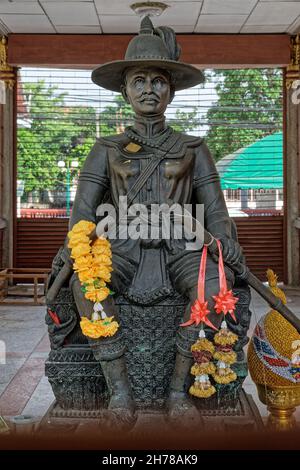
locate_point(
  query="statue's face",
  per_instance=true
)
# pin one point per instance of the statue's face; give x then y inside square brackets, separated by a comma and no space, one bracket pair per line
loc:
[147,90]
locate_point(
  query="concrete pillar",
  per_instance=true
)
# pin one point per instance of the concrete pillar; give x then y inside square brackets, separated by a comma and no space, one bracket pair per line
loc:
[7,153]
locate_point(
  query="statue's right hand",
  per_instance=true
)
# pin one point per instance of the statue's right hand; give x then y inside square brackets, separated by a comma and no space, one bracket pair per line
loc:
[62,277]
[66,255]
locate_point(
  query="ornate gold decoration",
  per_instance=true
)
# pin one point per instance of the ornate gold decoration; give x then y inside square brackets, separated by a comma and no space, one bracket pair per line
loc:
[132,147]
[273,281]
[293,70]
[281,402]
[6,71]
[278,389]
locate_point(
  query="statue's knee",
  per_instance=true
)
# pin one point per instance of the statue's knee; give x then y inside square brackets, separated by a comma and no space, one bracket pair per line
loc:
[185,338]
[108,349]
[109,307]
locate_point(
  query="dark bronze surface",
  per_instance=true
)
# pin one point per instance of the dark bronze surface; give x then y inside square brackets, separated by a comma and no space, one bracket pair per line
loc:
[153,47]
[165,167]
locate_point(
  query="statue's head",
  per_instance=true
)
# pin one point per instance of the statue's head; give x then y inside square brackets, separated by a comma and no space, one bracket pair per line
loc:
[148,90]
[152,51]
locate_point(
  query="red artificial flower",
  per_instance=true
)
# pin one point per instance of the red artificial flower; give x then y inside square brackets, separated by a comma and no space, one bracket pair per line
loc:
[199,312]
[225,303]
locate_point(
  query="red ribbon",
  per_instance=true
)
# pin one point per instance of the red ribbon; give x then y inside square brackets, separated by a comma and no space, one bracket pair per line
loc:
[225,300]
[54,317]
[199,310]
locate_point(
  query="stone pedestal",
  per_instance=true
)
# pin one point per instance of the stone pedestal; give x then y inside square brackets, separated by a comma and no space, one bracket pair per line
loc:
[243,417]
[150,332]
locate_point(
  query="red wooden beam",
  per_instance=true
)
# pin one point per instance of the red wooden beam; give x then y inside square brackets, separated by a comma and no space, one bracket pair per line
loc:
[209,50]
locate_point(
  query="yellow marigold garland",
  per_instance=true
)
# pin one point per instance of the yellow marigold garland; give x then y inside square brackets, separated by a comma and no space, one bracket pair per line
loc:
[203,344]
[97,328]
[202,352]
[229,376]
[225,337]
[204,368]
[93,264]
[200,390]
[228,357]
[224,354]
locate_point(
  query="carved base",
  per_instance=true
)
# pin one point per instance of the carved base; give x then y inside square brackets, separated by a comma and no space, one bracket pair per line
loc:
[150,333]
[281,402]
[76,379]
[244,416]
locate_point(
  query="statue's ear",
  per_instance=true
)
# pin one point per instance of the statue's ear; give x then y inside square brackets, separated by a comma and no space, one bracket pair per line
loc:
[172,94]
[124,93]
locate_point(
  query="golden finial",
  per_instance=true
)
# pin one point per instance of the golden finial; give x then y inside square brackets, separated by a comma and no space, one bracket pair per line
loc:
[273,280]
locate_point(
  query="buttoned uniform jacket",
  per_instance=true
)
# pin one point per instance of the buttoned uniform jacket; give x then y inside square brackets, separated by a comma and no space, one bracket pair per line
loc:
[185,175]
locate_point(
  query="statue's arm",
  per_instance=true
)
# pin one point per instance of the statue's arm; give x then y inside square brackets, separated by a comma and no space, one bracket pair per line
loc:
[207,190]
[92,185]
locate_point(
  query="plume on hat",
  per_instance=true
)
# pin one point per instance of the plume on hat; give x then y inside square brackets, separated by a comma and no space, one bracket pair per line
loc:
[169,38]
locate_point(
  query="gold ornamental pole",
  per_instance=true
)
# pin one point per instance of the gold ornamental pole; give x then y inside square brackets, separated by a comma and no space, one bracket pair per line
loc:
[7,74]
[293,69]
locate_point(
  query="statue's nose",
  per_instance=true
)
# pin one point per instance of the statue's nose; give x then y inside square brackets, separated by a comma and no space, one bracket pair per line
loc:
[148,86]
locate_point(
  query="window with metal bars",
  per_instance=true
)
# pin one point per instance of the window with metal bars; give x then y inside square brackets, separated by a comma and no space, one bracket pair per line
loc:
[60,112]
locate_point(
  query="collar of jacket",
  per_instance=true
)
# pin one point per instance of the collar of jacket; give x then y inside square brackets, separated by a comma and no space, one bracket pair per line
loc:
[176,146]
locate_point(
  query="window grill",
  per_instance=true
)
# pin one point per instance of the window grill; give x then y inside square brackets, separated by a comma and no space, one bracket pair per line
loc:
[60,112]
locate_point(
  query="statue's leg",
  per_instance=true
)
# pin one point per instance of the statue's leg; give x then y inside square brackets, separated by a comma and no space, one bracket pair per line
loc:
[110,353]
[186,281]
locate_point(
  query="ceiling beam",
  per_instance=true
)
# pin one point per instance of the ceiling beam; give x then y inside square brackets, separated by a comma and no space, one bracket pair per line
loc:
[209,50]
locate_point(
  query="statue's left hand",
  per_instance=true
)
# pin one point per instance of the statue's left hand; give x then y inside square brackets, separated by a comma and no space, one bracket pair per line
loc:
[231,250]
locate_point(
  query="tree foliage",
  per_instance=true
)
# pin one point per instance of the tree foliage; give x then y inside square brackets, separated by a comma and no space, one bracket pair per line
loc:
[54,131]
[185,121]
[115,117]
[119,115]
[249,107]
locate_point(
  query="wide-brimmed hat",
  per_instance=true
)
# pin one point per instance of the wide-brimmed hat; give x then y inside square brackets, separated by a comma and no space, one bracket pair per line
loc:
[150,48]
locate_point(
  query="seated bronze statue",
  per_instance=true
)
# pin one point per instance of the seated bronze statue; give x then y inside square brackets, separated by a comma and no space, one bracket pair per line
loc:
[146,271]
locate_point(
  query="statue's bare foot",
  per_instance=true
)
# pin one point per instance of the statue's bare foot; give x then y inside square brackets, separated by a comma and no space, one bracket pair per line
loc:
[121,413]
[181,412]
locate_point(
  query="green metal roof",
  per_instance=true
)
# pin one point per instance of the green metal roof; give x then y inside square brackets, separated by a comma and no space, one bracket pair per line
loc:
[257,166]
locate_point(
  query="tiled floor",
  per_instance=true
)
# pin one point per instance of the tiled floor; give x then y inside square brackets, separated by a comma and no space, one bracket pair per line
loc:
[24,332]
[23,387]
